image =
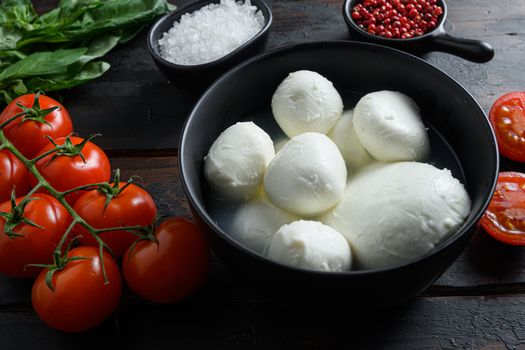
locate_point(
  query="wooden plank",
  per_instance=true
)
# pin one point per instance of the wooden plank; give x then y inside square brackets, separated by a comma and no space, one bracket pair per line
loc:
[485,262]
[137,109]
[486,266]
[425,323]
[501,23]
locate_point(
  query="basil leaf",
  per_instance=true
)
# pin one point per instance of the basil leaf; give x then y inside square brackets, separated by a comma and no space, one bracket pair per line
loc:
[100,46]
[42,63]
[57,49]
[105,16]
[9,57]
[17,14]
[10,91]
[97,48]
[89,72]
[15,19]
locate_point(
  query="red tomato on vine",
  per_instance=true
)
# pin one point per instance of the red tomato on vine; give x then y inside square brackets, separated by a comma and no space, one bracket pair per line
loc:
[124,204]
[42,221]
[79,162]
[81,299]
[170,268]
[13,175]
[44,117]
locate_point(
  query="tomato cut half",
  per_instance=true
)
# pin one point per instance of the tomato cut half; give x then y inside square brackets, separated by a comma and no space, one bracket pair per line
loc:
[505,217]
[507,117]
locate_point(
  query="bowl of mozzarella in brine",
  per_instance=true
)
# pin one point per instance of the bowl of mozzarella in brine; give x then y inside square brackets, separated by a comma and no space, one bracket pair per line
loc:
[318,183]
[352,188]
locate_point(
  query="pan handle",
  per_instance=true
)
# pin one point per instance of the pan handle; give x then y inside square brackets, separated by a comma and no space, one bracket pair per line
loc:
[472,50]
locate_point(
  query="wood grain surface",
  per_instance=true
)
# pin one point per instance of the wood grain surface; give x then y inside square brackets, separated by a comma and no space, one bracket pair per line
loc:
[478,303]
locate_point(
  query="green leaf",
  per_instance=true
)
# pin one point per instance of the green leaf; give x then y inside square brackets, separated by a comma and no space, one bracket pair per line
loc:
[18,87]
[131,32]
[100,46]
[17,14]
[9,91]
[42,63]
[67,12]
[15,19]
[57,49]
[9,57]
[97,48]
[107,16]
[90,71]
[9,37]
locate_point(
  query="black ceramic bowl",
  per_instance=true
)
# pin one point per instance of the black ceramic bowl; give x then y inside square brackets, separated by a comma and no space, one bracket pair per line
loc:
[435,40]
[198,77]
[355,69]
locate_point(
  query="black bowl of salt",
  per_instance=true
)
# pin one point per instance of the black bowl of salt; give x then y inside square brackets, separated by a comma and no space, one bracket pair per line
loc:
[196,44]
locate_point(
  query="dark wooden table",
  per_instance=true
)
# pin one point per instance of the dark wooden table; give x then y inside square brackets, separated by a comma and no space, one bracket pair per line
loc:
[478,303]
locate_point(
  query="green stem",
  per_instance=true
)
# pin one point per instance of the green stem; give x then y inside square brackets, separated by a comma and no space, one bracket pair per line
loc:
[122,228]
[12,119]
[60,196]
[101,246]
[84,187]
[58,250]
[34,189]
[43,155]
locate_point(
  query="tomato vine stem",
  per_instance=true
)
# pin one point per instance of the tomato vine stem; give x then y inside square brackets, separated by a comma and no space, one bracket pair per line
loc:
[42,183]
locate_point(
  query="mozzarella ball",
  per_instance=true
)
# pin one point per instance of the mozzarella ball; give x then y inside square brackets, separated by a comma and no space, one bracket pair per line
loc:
[389,126]
[308,176]
[394,212]
[306,102]
[310,245]
[256,221]
[237,160]
[343,135]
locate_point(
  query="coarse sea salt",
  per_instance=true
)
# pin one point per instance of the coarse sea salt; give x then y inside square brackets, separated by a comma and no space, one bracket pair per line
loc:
[211,32]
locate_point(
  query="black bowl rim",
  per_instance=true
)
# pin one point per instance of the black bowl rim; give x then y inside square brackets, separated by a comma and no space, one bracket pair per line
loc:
[260,4]
[202,212]
[350,22]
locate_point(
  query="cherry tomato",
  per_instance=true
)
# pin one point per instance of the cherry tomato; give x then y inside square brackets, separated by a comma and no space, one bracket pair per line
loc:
[170,270]
[36,246]
[29,137]
[67,172]
[507,117]
[81,300]
[131,207]
[13,174]
[505,216]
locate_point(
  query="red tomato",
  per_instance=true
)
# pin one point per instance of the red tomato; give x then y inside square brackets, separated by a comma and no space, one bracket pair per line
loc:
[505,216]
[170,270]
[131,207]
[507,117]
[66,172]
[81,300]
[38,244]
[13,174]
[29,137]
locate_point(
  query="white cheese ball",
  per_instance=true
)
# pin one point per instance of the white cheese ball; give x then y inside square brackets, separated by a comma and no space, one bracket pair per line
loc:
[308,175]
[310,245]
[392,213]
[237,160]
[389,126]
[343,135]
[256,221]
[306,102]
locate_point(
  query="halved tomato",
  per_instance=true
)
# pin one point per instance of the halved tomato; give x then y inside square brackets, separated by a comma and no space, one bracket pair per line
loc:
[507,117]
[505,216]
